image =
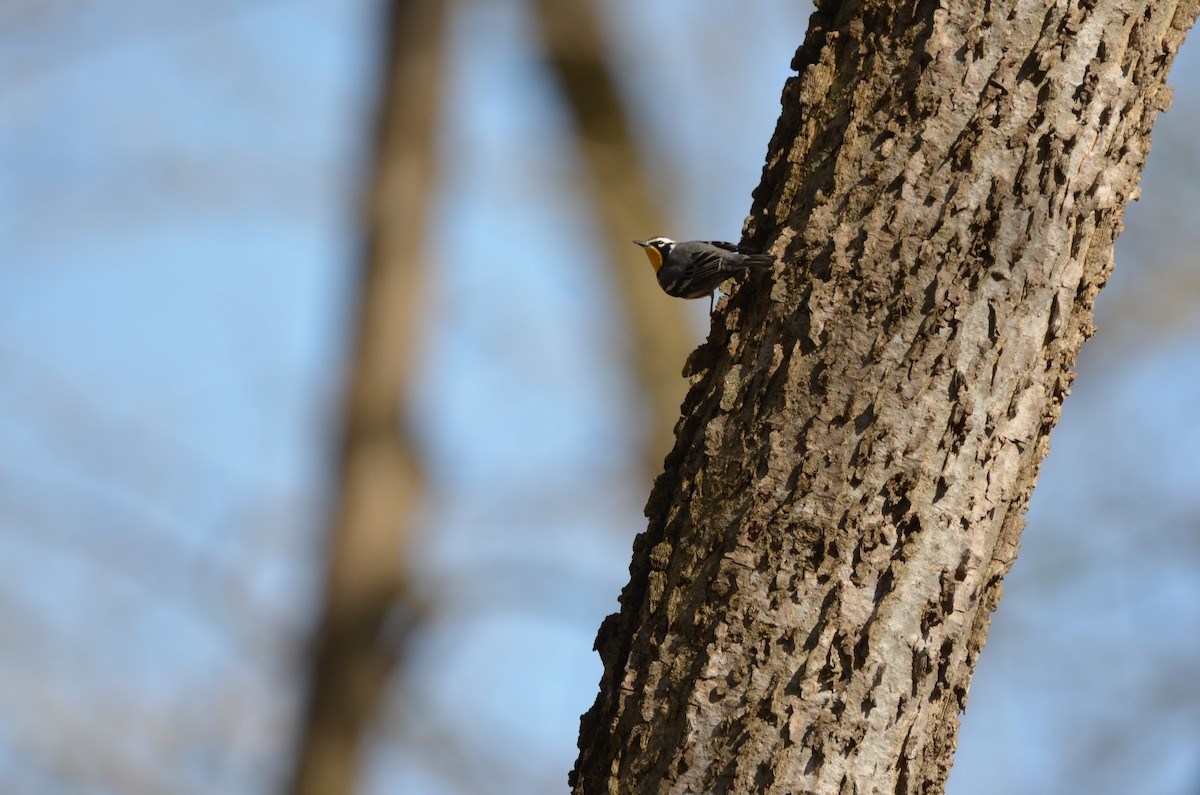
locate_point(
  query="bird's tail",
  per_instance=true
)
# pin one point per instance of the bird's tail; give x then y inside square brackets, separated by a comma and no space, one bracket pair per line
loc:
[759,262]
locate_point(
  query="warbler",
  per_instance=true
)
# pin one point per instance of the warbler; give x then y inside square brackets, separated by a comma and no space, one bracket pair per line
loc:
[695,268]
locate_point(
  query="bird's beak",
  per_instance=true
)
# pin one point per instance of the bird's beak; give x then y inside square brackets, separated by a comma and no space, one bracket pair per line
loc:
[642,243]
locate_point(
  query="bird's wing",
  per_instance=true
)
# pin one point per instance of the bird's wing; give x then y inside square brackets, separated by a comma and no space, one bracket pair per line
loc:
[722,244]
[707,268]
[709,263]
[694,270]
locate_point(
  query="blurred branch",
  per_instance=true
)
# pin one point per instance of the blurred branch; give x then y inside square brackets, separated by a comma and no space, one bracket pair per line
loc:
[380,476]
[575,46]
[1161,304]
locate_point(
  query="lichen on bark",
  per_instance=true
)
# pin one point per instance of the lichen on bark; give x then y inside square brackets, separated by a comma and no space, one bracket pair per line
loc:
[864,428]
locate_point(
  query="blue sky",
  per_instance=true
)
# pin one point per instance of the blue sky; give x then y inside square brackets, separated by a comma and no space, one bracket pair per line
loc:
[179,191]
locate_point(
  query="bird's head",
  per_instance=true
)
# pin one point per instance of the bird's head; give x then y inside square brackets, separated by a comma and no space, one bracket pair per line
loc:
[657,249]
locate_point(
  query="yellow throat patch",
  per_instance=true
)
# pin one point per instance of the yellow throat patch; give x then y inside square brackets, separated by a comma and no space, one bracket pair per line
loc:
[655,257]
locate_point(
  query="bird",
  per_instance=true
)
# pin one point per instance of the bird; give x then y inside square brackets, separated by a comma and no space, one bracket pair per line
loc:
[695,268]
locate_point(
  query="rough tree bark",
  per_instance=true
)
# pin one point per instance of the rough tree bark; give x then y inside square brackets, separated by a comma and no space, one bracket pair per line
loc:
[864,429]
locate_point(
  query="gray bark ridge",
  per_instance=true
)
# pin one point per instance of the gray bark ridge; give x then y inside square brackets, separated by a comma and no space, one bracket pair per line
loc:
[864,430]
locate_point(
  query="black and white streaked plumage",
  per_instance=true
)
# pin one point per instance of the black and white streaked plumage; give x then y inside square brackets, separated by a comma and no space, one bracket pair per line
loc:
[695,268]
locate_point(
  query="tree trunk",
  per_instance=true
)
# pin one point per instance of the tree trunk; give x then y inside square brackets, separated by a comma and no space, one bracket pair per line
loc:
[865,427]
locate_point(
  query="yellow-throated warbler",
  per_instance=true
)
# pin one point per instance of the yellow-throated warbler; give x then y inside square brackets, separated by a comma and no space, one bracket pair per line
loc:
[695,268]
